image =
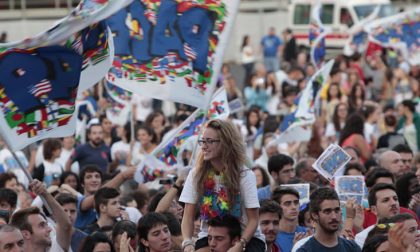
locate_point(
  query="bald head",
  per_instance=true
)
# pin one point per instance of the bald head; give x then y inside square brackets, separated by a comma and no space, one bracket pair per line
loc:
[392,161]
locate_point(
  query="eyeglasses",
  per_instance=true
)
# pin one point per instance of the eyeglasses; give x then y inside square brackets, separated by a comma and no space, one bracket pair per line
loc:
[385,225]
[207,141]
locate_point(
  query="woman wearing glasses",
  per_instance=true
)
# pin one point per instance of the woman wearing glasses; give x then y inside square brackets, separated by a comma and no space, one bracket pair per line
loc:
[220,185]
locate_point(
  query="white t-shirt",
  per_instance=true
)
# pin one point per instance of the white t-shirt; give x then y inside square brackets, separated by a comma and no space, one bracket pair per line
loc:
[123,149]
[247,55]
[51,168]
[143,106]
[249,199]
[300,243]
[369,131]
[64,156]
[136,155]
[360,237]
[330,130]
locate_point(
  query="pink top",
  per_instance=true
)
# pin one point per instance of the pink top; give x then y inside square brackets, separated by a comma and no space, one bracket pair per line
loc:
[349,141]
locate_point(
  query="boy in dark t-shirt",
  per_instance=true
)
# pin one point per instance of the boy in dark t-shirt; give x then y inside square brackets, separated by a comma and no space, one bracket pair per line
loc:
[342,245]
[326,212]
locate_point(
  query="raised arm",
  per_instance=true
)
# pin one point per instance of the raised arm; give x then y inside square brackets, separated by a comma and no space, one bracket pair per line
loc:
[166,201]
[89,201]
[63,227]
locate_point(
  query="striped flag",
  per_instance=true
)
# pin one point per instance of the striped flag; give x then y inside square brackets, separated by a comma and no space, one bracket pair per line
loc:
[41,88]
[190,52]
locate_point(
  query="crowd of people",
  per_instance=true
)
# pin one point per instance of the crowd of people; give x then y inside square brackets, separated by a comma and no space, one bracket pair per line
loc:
[83,195]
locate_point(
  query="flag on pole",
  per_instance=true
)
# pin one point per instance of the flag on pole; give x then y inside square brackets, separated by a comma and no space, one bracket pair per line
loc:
[400,32]
[119,104]
[168,155]
[171,50]
[297,125]
[50,69]
[358,36]
[317,33]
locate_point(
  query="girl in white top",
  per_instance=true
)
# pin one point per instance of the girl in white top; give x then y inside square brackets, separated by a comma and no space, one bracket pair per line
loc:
[247,56]
[147,141]
[221,185]
[51,152]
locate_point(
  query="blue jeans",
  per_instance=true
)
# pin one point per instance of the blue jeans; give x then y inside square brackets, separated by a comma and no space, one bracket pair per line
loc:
[272,64]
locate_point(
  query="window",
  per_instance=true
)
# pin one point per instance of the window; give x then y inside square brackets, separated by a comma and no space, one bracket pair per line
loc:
[327,12]
[302,14]
[363,11]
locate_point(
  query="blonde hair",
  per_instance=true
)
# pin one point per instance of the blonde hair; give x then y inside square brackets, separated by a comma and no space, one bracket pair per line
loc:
[232,157]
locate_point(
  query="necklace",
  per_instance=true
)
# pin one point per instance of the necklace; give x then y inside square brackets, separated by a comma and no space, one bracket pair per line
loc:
[215,201]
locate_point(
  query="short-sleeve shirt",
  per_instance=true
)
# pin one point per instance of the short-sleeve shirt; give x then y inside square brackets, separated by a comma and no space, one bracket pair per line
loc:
[270,44]
[77,239]
[85,154]
[342,246]
[248,197]
[284,240]
[264,193]
[84,218]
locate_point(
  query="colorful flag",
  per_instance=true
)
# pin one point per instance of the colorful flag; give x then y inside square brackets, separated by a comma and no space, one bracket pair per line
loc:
[358,36]
[83,31]
[43,104]
[96,46]
[297,125]
[317,33]
[119,106]
[168,154]
[401,32]
[171,50]
[50,69]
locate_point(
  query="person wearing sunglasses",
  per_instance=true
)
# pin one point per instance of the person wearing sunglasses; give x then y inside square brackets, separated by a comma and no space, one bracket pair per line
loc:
[383,202]
[411,235]
[221,185]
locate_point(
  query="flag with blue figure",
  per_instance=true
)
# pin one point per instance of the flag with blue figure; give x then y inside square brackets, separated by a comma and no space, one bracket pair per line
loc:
[48,79]
[168,155]
[296,126]
[400,32]
[171,50]
[41,76]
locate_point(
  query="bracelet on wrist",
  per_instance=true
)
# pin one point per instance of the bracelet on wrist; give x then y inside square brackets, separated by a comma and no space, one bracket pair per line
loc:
[186,243]
[176,187]
[243,242]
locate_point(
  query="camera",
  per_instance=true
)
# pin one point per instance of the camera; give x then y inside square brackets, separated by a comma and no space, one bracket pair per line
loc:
[170,180]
